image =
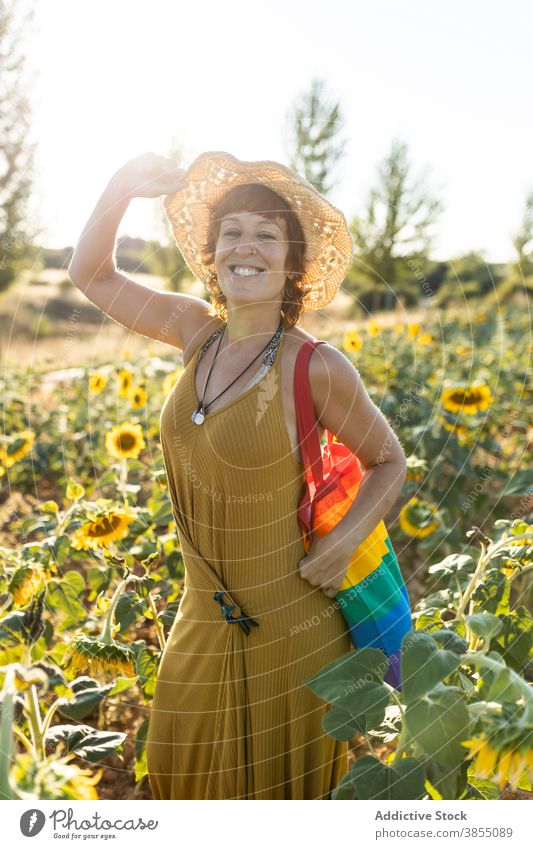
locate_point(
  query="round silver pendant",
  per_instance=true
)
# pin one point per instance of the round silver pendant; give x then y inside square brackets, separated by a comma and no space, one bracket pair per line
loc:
[198,417]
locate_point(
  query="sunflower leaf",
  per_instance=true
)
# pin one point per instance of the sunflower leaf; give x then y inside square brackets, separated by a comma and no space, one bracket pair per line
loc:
[85,741]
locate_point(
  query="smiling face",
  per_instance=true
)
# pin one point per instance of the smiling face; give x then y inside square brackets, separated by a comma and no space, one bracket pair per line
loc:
[244,276]
[253,215]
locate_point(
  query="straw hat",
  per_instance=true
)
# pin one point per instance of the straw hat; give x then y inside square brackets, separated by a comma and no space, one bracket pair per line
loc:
[329,246]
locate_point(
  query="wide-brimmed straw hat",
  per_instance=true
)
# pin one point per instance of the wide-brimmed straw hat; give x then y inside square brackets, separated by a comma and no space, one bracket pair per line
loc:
[329,246]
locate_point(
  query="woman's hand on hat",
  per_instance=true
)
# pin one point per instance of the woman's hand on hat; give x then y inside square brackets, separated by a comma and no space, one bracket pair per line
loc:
[150,176]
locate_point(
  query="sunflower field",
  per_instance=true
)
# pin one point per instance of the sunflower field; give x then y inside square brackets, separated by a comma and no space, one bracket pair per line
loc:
[91,571]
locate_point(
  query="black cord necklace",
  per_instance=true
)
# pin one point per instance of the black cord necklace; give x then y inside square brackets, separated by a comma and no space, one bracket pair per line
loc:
[198,416]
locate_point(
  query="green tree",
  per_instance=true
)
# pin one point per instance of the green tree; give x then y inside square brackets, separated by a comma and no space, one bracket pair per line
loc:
[161,256]
[312,128]
[392,236]
[16,152]
[470,276]
[523,238]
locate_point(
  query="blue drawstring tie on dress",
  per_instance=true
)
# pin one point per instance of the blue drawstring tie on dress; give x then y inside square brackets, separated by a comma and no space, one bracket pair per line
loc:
[244,621]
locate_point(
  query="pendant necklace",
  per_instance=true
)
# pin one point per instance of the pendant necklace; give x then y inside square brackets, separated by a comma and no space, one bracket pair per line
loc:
[198,416]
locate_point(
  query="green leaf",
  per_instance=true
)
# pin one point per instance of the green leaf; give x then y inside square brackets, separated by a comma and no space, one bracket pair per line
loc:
[492,595]
[65,595]
[438,723]
[354,682]
[122,684]
[370,779]
[449,782]
[146,666]
[339,724]
[86,742]
[501,684]
[88,694]
[160,510]
[448,639]
[129,609]
[60,548]
[49,507]
[485,625]
[141,768]
[515,640]
[478,788]
[75,490]
[429,620]
[452,564]
[520,484]
[424,664]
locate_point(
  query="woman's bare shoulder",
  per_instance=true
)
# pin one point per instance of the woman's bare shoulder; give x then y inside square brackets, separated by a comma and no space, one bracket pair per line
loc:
[296,336]
[198,333]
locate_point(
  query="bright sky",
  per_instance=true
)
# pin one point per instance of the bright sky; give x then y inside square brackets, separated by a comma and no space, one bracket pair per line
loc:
[115,78]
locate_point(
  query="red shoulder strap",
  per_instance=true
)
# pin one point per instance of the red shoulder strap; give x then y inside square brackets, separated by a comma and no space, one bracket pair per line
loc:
[305,414]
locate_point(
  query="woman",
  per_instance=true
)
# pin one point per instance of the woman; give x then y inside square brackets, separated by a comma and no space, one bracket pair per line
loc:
[231,717]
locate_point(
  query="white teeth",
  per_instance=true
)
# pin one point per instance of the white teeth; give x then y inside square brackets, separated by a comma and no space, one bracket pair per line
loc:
[243,271]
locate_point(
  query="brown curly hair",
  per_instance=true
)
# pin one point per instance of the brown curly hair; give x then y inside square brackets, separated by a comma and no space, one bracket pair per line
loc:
[255,197]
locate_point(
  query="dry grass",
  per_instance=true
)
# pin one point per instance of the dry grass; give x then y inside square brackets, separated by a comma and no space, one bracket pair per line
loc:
[46,321]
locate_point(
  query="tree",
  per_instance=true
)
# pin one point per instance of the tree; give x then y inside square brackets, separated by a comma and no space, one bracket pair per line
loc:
[312,127]
[166,260]
[392,237]
[523,238]
[16,153]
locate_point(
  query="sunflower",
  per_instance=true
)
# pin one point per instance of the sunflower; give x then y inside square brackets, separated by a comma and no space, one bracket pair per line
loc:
[424,339]
[99,657]
[125,441]
[137,397]
[97,382]
[26,676]
[511,564]
[352,341]
[418,518]
[469,400]
[413,329]
[55,778]
[125,379]
[170,380]
[416,468]
[109,527]
[373,328]
[25,582]
[16,447]
[464,434]
[501,765]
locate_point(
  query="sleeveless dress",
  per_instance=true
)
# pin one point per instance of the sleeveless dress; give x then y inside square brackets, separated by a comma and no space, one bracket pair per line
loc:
[231,717]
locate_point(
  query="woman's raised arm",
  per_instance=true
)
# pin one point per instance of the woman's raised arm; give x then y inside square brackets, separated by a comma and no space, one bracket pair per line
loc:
[165,316]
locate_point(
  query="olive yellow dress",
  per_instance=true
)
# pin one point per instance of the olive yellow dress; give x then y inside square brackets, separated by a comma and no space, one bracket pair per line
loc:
[231,717]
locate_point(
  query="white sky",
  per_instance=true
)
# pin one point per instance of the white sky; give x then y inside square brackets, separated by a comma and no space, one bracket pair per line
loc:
[114,79]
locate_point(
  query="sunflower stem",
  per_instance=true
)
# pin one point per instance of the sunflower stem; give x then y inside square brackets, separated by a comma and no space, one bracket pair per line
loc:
[124,479]
[19,734]
[49,714]
[159,628]
[7,791]
[66,515]
[107,636]
[484,559]
[33,713]
[402,744]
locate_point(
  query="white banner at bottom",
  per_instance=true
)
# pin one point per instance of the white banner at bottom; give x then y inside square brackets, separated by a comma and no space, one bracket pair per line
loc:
[244,824]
